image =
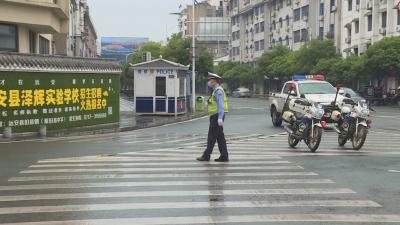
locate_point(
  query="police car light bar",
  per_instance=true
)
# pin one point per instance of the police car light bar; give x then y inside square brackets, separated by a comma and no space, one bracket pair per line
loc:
[308,77]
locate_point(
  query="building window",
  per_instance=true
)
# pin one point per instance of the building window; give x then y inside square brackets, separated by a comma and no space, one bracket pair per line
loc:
[262,27]
[257,46]
[356,27]
[32,42]
[356,51]
[369,22]
[287,40]
[8,38]
[273,25]
[333,3]
[44,46]
[287,20]
[304,35]
[262,45]
[384,19]
[332,29]
[398,17]
[257,28]
[321,32]
[273,42]
[321,9]
[297,14]
[304,11]
[349,5]
[280,22]
[296,36]
[256,11]
[280,40]
[262,9]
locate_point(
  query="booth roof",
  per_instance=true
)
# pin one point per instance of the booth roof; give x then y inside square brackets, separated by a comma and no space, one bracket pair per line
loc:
[160,63]
[58,64]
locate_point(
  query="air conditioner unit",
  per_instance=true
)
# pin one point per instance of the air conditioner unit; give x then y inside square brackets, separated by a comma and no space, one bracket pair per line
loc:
[297,2]
[321,18]
[273,14]
[382,31]
[278,30]
[288,2]
[398,29]
[357,8]
[288,29]
[333,8]
[369,5]
[348,40]
[305,18]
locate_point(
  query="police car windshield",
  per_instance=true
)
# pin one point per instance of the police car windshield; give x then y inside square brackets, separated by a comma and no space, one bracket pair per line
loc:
[316,88]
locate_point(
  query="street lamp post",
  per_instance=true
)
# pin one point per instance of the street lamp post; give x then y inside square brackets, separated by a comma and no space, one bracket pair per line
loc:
[127,56]
[193,59]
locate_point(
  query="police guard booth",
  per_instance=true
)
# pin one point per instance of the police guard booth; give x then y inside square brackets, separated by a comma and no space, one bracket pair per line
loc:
[160,87]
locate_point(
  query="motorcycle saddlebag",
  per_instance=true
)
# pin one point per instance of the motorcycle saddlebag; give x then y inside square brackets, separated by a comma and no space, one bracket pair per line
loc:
[288,116]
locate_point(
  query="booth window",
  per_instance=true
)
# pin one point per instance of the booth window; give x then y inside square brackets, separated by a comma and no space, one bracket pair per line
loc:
[161,86]
[182,87]
[8,38]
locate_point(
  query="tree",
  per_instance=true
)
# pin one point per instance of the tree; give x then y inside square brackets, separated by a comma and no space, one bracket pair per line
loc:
[204,64]
[309,55]
[267,59]
[383,57]
[178,49]
[240,74]
[154,48]
[282,66]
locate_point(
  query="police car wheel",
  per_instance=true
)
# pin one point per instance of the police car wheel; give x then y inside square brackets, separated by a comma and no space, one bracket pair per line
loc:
[276,119]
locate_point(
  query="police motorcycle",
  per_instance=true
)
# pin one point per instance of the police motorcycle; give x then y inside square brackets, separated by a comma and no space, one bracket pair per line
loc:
[351,121]
[303,118]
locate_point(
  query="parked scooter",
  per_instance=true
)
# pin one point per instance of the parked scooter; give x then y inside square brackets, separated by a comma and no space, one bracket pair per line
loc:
[303,119]
[351,122]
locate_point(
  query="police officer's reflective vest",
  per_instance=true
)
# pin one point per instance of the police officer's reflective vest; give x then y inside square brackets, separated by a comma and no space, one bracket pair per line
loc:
[213,105]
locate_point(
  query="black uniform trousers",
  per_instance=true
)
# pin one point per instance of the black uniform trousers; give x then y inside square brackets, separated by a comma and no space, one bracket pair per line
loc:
[216,133]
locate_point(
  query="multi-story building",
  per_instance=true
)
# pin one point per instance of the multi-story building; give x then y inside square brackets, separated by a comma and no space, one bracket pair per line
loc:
[367,21]
[59,27]
[259,25]
[82,37]
[212,27]
[34,26]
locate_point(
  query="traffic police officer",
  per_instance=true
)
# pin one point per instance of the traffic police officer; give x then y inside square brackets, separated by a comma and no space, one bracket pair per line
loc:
[217,107]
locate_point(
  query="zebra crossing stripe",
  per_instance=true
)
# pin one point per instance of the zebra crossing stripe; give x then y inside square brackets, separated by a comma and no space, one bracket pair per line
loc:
[178,193]
[189,205]
[178,175]
[154,164]
[163,183]
[209,168]
[137,159]
[344,218]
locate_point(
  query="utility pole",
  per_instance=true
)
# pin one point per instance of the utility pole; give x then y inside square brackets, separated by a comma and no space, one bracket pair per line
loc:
[193,59]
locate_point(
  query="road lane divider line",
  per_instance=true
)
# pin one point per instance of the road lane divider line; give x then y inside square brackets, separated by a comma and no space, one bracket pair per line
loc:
[215,175]
[208,168]
[188,206]
[163,183]
[178,193]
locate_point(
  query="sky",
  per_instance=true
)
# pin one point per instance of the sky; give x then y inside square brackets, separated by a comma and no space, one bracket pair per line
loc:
[136,18]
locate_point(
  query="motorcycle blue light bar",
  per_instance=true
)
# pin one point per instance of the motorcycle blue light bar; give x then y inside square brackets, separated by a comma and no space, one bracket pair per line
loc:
[308,77]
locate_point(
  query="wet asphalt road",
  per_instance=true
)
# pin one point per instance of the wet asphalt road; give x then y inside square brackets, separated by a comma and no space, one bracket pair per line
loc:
[149,176]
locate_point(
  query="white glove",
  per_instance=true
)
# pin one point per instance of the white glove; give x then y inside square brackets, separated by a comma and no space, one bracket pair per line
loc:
[220,122]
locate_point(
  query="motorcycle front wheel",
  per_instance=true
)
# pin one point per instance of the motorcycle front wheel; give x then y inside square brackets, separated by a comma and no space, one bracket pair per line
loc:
[293,141]
[359,139]
[315,139]
[342,140]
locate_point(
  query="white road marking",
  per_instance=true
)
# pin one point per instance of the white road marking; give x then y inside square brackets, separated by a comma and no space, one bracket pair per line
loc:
[178,193]
[163,183]
[194,163]
[189,205]
[394,171]
[136,159]
[178,175]
[345,218]
[208,168]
